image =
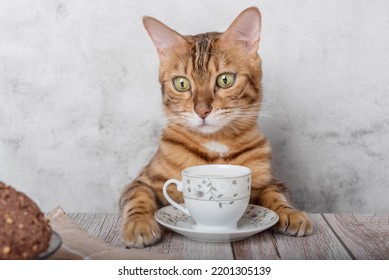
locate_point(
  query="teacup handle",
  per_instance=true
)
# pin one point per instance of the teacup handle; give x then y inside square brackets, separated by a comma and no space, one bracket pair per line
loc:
[171,201]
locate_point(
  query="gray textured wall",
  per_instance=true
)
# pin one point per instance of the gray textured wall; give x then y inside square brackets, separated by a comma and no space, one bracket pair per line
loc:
[80,109]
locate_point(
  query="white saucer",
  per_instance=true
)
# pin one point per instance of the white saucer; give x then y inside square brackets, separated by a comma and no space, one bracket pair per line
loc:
[254,220]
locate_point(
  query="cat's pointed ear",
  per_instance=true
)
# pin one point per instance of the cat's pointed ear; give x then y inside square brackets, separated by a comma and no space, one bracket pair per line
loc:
[245,30]
[163,37]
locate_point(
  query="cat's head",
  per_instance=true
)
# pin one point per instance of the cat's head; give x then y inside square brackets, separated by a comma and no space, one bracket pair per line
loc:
[211,82]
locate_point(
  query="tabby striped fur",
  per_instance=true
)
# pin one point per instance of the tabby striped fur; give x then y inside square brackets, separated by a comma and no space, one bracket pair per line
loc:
[207,124]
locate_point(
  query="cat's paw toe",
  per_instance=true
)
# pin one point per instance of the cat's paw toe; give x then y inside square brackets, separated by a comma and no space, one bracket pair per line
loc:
[140,232]
[294,222]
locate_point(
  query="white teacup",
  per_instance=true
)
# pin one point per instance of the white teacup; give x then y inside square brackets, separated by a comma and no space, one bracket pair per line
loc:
[215,195]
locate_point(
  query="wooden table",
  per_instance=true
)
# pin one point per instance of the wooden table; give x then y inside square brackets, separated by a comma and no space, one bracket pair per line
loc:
[336,236]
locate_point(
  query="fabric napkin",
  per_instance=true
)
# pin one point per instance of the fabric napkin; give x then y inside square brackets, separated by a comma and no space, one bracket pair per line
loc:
[77,244]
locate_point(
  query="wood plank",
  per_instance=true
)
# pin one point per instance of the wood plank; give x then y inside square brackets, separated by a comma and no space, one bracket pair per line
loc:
[348,236]
[176,244]
[77,217]
[111,230]
[95,224]
[259,247]
[366,236]
[106,226]
[322,244]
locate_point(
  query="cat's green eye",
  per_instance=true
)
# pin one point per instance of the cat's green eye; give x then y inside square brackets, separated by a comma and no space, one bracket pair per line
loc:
[225,80]
[181,84]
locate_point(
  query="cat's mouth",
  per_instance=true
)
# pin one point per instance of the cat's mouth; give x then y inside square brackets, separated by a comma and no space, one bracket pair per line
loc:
[205,126]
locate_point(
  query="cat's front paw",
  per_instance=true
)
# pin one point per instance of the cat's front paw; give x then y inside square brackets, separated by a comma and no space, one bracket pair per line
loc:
[140,231]
[293,222]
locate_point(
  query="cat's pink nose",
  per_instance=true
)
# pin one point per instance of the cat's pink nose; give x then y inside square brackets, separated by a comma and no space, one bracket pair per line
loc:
[203,111]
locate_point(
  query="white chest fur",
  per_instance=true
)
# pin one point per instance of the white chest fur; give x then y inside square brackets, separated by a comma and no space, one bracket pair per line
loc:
[216,147]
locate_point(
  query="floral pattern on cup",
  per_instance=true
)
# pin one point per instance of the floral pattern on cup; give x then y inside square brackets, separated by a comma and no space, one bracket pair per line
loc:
[211,189]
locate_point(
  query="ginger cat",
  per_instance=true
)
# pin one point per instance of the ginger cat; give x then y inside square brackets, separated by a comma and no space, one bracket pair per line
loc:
[211,92]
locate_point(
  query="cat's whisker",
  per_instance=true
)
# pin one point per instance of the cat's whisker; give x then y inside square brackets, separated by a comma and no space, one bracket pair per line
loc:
[265,115]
